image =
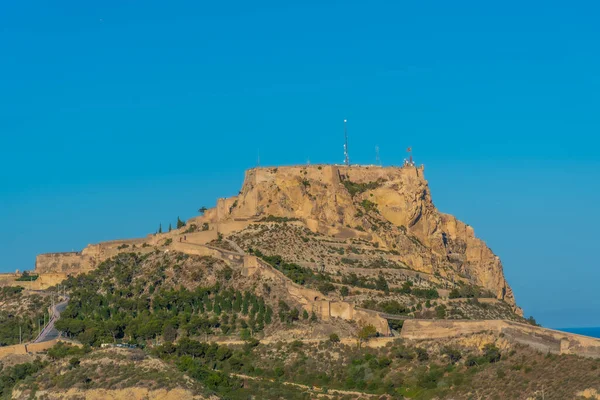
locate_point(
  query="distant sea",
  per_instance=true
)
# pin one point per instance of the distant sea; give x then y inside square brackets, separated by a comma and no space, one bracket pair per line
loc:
[594,332]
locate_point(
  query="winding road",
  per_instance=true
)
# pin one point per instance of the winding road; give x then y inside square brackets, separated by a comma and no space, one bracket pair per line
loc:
[49,332]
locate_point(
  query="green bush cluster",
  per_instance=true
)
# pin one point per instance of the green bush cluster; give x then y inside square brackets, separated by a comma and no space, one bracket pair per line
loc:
[27,277]
[469,291]
[297,273]
[355,188]
[408,288]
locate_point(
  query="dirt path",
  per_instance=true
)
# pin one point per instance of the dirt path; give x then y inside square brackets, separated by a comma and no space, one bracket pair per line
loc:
[314,389]
[235,246]
[373,342]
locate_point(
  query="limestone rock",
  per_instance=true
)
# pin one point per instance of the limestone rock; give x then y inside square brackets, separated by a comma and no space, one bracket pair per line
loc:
[387,205]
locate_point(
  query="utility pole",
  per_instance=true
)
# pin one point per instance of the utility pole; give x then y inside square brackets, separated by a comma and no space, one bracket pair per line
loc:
[346,156]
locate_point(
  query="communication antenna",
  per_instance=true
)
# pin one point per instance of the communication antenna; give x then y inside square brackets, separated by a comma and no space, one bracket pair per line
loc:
[346,156]
[377,159]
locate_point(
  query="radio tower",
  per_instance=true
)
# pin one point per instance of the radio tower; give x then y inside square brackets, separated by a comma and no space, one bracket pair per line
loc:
[377,159]
[346,156]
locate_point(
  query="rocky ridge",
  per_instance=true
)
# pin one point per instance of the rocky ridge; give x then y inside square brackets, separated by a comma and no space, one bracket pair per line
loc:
[389,207]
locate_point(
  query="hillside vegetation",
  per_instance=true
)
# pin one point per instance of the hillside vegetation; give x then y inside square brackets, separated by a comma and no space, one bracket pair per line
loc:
[20,314]
[164,296]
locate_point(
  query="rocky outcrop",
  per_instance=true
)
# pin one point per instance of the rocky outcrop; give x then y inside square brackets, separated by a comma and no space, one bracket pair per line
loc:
[387,205]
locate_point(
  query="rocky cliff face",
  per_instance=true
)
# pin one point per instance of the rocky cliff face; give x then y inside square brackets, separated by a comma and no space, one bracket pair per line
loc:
[389,206]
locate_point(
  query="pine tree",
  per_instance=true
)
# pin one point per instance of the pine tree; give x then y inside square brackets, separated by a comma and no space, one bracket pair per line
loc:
[170,229]
[245,304]
[180,223]
[237,304]
[268,315]
[305,314]
[160,228]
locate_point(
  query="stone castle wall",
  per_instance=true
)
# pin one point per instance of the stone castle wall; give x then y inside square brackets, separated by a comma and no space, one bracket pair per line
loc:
[314,301]
[63,263]
[43,282]
[21,349]
[542,339]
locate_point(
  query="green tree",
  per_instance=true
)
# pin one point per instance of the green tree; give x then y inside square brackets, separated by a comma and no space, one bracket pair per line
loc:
[305,314]
[160,228]
[491,353]
[440,311]
[268,315]
[169,333]
[344,291]
[294,315]
[202,210]
[381,283]
[245,334]
[334,338]
[365,333]
[170,228]
[180,223]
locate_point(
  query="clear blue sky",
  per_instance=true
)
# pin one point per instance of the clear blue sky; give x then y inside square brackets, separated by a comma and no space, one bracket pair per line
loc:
[118,115]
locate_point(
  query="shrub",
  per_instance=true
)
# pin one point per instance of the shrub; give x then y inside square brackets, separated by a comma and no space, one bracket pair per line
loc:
[326,287]
[453,354]
[344,291]
[491,353]
[422,354]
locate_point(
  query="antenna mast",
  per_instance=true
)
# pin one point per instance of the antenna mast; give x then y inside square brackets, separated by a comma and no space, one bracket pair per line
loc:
[346,156]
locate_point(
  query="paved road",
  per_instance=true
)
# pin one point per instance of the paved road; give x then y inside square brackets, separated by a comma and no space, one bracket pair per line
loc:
[49,332]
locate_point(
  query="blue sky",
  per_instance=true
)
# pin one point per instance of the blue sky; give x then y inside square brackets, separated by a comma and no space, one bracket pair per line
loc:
[116,116]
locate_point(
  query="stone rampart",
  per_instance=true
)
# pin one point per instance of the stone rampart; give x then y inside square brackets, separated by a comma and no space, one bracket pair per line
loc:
[8,279]
[542,339]
[201,237]
[73,262]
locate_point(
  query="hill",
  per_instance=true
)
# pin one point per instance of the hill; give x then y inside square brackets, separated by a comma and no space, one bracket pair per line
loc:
[299,287]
